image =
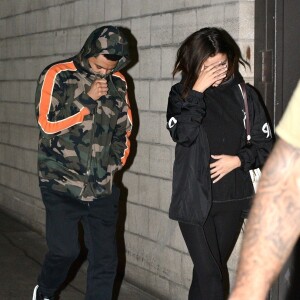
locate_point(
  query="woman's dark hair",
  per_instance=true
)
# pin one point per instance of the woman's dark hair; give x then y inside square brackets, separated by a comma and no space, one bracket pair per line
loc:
[201,45]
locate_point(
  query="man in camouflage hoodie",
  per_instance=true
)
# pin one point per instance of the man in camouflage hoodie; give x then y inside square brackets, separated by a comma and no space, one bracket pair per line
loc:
[85,121]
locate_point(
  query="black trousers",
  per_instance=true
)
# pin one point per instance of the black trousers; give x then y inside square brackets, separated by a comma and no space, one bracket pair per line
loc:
[210,247]
[99,219]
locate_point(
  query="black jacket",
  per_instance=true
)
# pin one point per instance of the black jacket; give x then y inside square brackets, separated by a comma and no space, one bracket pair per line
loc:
[192,186]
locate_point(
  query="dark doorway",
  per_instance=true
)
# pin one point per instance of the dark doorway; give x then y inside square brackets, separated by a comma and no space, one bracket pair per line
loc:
[276,73]
[277,59]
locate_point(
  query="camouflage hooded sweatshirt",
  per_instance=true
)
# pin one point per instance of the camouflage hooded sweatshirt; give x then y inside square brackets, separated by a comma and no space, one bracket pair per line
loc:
[83,142]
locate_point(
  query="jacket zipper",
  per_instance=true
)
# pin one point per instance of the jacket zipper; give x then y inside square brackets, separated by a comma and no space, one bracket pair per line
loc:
[88,172]
[88,167]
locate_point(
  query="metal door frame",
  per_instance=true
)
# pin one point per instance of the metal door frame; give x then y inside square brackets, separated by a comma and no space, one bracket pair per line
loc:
[275,76]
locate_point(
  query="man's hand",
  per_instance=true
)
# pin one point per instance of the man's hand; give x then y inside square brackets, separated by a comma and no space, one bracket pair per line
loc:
[223,165]
[98,89]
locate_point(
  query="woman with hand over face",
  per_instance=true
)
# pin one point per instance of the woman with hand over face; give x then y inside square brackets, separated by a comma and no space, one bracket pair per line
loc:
[212,188]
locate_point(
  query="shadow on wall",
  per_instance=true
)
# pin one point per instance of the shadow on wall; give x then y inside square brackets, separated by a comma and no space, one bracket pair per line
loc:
[118,180]
[133,149]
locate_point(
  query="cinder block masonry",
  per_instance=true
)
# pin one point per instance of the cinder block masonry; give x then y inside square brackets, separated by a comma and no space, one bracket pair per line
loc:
[36,33]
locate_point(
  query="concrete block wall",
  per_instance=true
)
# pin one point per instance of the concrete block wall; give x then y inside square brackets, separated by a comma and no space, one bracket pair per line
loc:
[35,33]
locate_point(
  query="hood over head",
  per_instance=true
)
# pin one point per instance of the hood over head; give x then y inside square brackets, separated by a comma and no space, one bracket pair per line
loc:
[104,40]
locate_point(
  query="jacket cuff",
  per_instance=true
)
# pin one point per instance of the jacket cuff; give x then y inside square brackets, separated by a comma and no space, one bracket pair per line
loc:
[194,97]
[247,157]
[242,160]
[86,101]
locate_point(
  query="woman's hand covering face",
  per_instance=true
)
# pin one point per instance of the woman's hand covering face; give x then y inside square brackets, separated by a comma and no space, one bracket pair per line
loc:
[213,72]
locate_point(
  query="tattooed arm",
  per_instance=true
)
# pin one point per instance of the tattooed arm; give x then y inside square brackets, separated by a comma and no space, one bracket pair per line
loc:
[274,224]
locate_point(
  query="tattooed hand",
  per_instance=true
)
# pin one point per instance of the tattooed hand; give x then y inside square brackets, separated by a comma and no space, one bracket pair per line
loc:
[274,224]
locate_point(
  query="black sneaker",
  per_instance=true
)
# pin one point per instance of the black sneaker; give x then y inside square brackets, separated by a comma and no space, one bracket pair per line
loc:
[38,296]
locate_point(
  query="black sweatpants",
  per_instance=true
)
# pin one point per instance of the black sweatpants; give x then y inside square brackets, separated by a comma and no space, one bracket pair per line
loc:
[99,219]
[210,247]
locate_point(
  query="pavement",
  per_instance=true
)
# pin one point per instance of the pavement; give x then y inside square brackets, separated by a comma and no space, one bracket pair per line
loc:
[21,254]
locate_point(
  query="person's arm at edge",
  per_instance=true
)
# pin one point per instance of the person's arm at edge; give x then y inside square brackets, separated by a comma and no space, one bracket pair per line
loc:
[273,226]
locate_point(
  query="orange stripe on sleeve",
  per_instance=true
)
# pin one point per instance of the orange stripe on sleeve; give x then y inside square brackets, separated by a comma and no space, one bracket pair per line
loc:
[121,76]
[46,98]
[127,149]
[129,116]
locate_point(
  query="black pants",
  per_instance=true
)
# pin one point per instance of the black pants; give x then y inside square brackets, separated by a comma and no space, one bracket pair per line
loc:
[210,247]
[99,222]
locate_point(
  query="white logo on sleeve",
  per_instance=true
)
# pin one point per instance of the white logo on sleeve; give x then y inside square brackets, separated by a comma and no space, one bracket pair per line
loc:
[267,130]
[172,122]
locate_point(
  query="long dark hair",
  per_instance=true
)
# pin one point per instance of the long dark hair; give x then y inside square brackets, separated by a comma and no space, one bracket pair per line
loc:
[201,45]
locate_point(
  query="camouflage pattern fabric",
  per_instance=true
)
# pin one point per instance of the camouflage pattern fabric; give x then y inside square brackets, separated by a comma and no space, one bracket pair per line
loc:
[83,142]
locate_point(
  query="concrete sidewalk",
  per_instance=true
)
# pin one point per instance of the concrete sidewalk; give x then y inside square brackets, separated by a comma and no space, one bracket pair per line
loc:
[21,254]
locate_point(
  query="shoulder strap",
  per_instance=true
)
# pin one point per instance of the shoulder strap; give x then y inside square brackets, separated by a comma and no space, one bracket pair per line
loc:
[244,94]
